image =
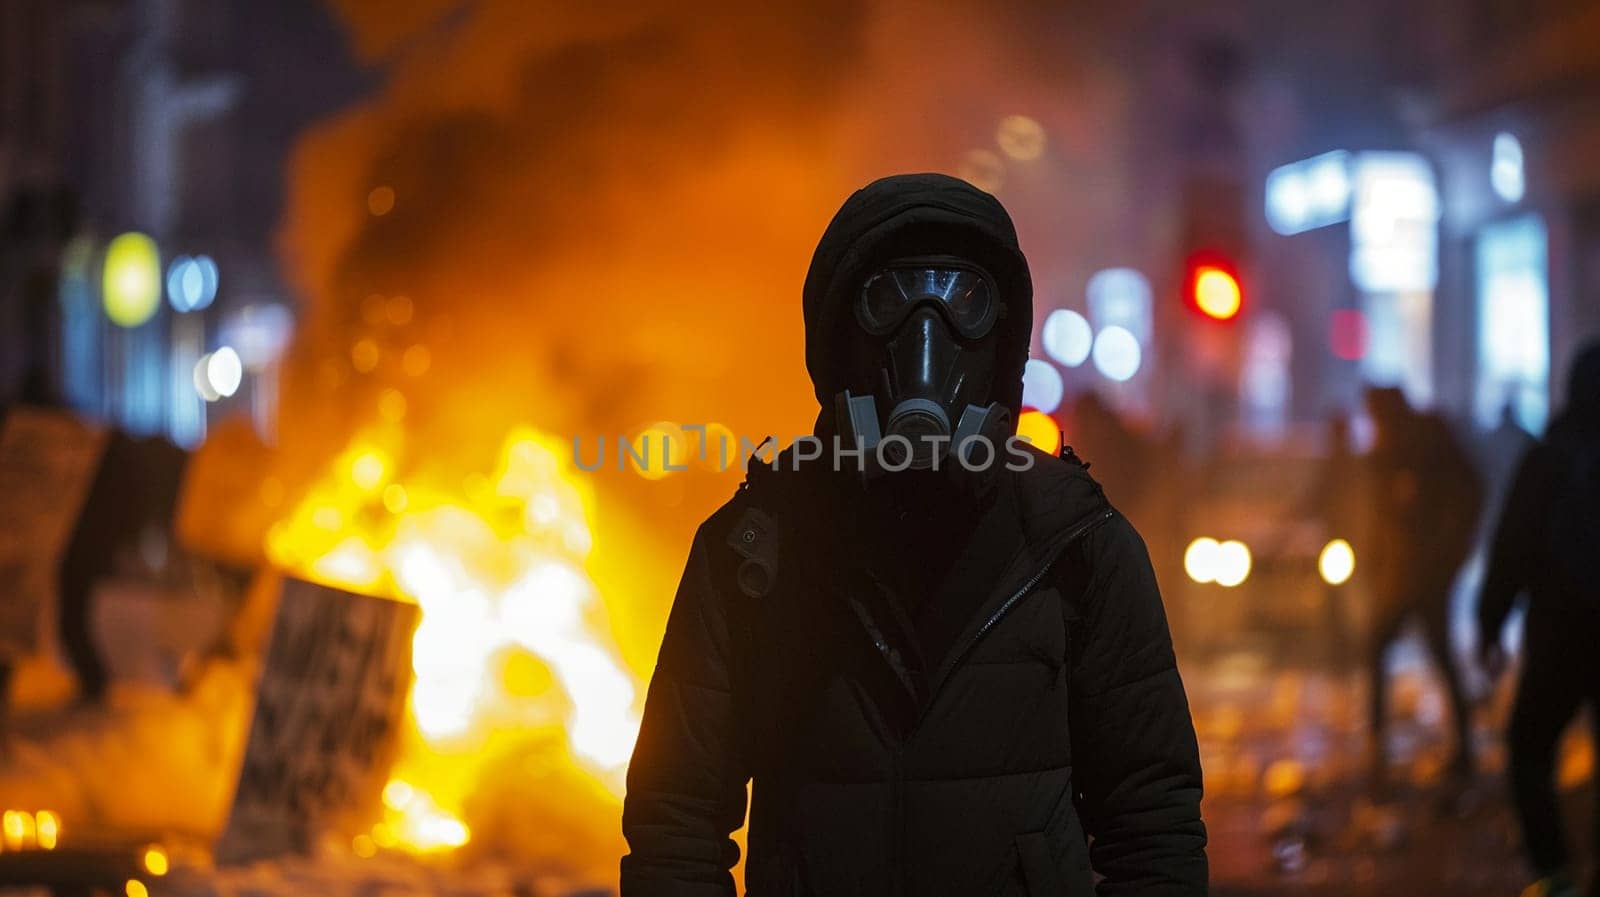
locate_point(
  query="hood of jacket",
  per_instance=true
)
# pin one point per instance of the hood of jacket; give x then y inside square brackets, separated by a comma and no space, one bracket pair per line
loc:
[914,214]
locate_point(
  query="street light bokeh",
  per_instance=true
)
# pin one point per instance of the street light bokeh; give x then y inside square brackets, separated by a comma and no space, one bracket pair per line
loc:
[191,282]
[1067,337]
[1224,563]
[1040,430]
[1216,293]
[1337,562]
[132,280]
[1117,354]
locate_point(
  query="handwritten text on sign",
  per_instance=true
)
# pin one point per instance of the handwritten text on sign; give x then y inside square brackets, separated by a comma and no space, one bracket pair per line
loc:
[331,699]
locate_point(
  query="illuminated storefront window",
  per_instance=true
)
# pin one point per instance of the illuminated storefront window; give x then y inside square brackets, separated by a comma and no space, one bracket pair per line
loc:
[1513,323]
[1394,262]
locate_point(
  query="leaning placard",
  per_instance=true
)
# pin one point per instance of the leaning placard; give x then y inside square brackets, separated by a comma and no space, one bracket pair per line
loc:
[328,710]
[48,460]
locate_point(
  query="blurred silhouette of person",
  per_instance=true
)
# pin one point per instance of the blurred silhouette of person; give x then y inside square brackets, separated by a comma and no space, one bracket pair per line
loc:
[1545,546]
[1426,500]
[123,531]
[1499,452]
[1503,449]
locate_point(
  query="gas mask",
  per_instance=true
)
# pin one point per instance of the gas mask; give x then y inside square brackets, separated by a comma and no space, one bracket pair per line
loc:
[928,334]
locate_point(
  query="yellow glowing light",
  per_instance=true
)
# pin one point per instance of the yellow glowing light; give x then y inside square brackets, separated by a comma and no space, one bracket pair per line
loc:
[718,448]
[19,831]
[351,564]
[132,283]
[1284,778]
[383,836]
[496,565]
[364,355]
[524,675]
[416,360]
[380,201]
[368,471]
[1337,562]
[1020,137]
[1232,563]
[394,498]
[155,860]
[984,169]
[397,794]
[1041,430]
[392,405]
[327,518]
[363,846]
[659,450]
[426,827]
[1217,293]
[1200,559]
[135,888]
[47,826]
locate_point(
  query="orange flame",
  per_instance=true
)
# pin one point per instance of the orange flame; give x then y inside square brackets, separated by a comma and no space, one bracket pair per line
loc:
[496,571]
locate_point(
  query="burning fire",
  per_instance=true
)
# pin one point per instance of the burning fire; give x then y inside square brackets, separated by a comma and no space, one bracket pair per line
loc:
[510,642]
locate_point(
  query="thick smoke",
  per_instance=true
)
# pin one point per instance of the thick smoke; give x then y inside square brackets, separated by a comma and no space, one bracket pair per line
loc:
[600,217]
[591,217]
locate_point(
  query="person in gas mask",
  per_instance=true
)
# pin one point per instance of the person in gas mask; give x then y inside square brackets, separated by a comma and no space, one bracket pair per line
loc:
[938,656]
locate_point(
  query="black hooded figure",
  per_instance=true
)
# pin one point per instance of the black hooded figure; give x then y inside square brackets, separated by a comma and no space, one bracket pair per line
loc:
[1544,547]
[942,671]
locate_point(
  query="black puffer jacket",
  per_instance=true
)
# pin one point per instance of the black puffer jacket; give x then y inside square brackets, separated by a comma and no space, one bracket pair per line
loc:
[1056,715]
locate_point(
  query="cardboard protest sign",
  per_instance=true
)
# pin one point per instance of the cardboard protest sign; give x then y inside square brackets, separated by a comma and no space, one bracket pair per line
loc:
[231,497]
[48,460]
[328,710]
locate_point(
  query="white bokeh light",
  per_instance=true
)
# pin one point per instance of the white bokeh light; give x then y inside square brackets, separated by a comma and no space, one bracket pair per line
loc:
[1117,354]
[191,282]
[1310,193]
[1067,337]
[1337,562]
[224,371]
[1232,563]
[1041,386]
[1200,559]
[1506,169]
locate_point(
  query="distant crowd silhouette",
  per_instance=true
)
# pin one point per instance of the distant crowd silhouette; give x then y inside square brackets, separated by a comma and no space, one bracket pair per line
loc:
[1418,504]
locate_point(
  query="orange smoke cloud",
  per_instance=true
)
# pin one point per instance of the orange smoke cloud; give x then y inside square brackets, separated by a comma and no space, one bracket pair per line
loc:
[583,221]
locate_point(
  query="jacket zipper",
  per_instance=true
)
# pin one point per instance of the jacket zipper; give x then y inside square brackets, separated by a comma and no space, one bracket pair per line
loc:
[1022,592]
[897,798]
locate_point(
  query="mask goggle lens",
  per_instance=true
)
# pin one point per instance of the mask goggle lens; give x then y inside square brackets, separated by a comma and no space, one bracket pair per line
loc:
[967,295]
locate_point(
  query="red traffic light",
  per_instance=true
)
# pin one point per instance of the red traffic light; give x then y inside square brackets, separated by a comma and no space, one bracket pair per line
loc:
[1211,287]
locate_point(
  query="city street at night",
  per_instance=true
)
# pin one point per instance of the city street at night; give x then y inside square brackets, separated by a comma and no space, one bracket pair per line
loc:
[502,448]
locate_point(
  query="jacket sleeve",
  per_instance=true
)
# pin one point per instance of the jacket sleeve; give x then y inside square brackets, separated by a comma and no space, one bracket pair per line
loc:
[1135,759]
[1515,550]
[686,782]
